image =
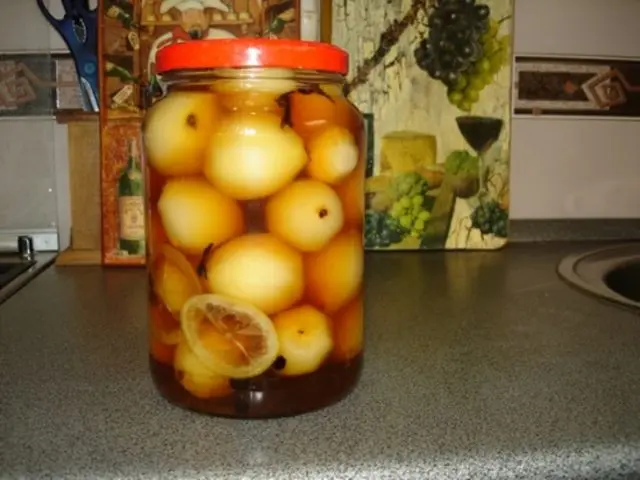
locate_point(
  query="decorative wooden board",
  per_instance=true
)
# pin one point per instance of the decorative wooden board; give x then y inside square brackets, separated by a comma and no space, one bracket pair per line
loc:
[437,78]
[131,31]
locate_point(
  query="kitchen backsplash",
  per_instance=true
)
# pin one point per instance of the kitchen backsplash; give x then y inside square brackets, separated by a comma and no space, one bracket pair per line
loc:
[568,167]
[28,181]
[34,181]
[561,167]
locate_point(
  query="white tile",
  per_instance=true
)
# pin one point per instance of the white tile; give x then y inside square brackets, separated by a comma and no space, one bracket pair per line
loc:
[576,168]
[27,182]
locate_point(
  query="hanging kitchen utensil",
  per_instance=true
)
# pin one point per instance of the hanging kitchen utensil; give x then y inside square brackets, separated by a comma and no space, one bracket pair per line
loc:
[79,30]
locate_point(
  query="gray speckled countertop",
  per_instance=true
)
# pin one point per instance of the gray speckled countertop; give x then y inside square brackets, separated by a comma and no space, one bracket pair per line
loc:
[478,365]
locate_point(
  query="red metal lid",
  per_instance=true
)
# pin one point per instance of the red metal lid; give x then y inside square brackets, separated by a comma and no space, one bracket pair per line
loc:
[252,52]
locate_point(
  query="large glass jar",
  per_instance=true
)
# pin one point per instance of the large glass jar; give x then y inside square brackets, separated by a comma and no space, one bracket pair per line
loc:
[255,170]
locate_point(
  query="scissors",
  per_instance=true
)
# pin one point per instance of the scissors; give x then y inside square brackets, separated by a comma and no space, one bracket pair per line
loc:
[79,30]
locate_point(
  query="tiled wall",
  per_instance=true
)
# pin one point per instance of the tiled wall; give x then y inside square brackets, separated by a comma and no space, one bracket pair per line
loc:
[568,167]
[27,182]
[32,150]
[562,168]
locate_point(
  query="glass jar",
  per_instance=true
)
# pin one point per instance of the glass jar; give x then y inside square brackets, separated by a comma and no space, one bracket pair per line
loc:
[254,196]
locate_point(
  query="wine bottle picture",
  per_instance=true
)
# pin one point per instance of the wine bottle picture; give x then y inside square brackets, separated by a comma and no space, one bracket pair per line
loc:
[116,71]
[120,12]
[131,205]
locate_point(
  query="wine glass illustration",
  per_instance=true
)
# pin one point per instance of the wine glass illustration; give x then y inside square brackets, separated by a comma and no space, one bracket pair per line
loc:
[480,133]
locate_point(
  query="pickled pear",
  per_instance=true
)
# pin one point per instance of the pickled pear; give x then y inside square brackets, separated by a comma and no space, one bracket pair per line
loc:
[161,352]
[306,214]
[333,154]
[250,101]
[348,331]
[258,269]
[195,215]
[177,130]
[334,274]
[154,185]
[257,93]
[156,234]
[195,261]
[351,193]
[312,113]
[196,378]
[164,334]
[252,156]
[304,335]
[164,325]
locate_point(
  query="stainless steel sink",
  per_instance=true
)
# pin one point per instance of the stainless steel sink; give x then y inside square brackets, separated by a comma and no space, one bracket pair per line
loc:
[611,273]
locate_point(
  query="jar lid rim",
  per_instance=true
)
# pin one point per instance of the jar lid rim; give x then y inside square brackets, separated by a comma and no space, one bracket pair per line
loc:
[252,52]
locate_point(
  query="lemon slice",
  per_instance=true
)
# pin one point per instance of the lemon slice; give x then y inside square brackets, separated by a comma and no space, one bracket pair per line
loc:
[174,279]
[228,336]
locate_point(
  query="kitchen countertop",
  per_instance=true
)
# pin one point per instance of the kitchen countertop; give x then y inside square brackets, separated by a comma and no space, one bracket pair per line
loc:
[478,365]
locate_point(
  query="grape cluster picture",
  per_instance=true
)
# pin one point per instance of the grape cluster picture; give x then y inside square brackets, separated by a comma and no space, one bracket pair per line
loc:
[463,49]
[490,218]
[380,230]
[408,209]
[407,214]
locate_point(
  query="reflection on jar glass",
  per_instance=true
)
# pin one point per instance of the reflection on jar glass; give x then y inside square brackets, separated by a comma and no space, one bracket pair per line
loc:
[254,173]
